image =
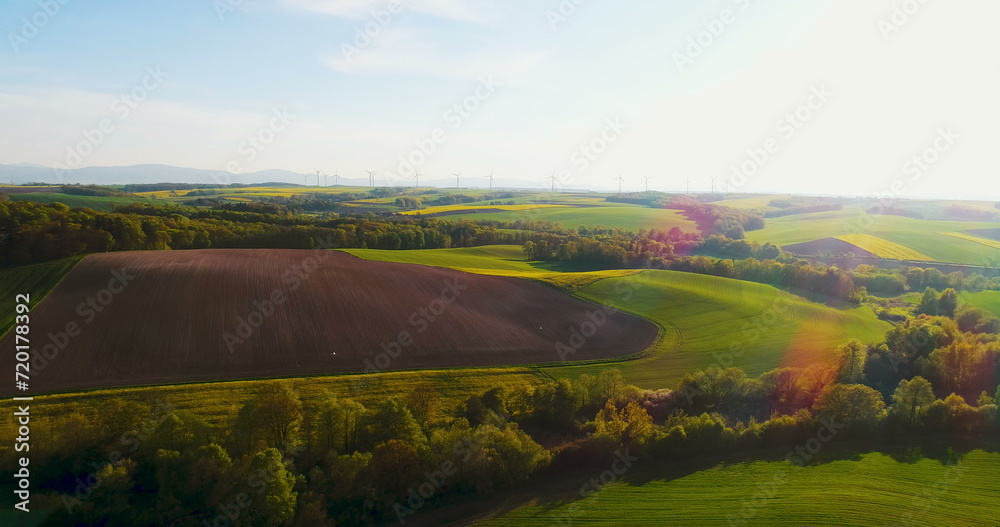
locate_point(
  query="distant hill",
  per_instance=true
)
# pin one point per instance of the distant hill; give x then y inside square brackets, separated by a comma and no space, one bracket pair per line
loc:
[27,173]
[21,173]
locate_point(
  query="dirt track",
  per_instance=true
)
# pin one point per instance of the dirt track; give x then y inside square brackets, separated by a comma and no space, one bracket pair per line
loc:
[178,319]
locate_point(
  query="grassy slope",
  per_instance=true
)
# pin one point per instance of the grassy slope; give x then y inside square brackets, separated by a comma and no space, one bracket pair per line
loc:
[706,315]
[924,236]
[98,203]
[496,260]
[630,217]
[35,280]
[216,402]
[988,300]
[869,490]
[501,257]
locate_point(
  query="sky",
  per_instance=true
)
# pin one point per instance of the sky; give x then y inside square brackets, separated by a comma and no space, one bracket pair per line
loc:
[850,97]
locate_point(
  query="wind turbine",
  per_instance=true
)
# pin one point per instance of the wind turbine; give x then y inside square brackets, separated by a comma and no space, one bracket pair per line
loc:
[317,176]
[713,185]
[553,178]
[417,178]
[647,182]
[687,189]
[490,177]
[456,178]
[371,178]
[336,177]
[620,179]
[305,180]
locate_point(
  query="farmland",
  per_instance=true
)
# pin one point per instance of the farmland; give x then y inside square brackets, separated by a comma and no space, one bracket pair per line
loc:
[628,217]
[99,203]
[881,248]
[458,209]
[282,313]
[929,238]
[702,317]
[858,489]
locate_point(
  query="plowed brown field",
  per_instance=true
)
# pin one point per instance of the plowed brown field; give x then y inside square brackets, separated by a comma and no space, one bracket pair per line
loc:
[177,316]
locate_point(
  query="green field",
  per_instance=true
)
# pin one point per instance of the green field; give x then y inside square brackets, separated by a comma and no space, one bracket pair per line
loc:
[34,280]
[864,490]
[499,257]
[929,237]
[705,318]
[629,217]
[98,203]
[988,300]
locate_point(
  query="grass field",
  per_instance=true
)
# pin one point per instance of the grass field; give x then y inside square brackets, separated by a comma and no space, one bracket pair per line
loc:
[882,248]
[629,217]
[871,489]
[98,203]
[474,208]
[34,280]
[705,318]
[753,202]
[988,300]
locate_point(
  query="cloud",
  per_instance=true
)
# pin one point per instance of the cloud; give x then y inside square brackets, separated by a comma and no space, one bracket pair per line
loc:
[460,10]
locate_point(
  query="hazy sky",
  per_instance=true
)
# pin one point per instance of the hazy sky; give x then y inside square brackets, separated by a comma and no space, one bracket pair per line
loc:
[815,96]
